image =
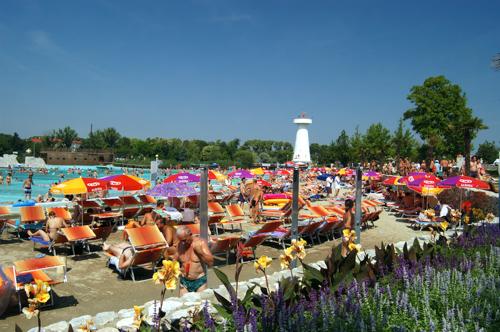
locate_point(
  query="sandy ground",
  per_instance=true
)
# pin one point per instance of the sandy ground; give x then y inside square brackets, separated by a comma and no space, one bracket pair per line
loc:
[94,288]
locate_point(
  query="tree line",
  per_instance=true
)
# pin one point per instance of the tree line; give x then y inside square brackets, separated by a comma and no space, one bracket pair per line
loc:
[446,127]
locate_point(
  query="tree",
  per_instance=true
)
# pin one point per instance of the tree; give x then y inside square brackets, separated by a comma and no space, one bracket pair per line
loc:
[94,141]
[488,151]
[110,136]
[244,158]
[211,153]
[438,103]
[377,142]
[403,143]
[66,136]
[342,150]
[357,148]
[496,61]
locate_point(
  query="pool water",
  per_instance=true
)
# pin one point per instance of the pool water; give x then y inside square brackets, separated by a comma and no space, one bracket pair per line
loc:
[42,182]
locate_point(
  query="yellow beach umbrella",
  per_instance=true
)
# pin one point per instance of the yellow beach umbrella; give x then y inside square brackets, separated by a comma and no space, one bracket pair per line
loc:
[257,171]
[79,186]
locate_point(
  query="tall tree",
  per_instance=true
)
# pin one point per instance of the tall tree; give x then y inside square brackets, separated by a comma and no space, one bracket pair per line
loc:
[377,142]
[342,148]
[358,150]
[110,136]
[488,151]
[403,143]
[66,136]
[496,61]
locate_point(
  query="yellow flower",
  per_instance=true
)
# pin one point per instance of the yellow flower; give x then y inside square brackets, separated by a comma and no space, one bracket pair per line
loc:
[298,248]
[168,274]
[489,217]
[285,261]
[138,318]
[262,263]
[42,297]
[353,246]
[346,232]
[444,225]
[467,219]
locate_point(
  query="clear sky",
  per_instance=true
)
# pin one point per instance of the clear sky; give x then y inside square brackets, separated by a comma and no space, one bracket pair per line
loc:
[227,69]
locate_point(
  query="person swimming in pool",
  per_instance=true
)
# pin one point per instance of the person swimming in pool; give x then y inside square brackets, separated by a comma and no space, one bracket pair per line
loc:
[194,256]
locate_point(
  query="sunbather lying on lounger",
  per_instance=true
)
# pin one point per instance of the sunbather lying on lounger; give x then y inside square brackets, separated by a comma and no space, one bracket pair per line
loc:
[52,227]
[122,255]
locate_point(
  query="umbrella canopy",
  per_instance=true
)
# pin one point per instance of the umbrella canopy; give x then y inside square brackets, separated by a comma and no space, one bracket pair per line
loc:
[417,173]
[345,171]
[427,176]
[464,182]
[393,181]
[172,190]
[322,177]
[371,175]
[283,172]
[427,191]
[79,186]
[241,173]
[264,183]
[182,178]
[126,182]
[424,182]
[257,171]
[214,175]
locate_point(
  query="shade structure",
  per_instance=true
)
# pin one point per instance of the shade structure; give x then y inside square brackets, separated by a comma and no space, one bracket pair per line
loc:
[393,181]
[427,176]
[283,172]
[241,173]
[424,182]
[427,191]
[264,183]
[371,175]
[173,190]
[126,182]
[464,182]
[345,171]
[79,186]
[182,178]
[257,171]
[322,177]
[214,175]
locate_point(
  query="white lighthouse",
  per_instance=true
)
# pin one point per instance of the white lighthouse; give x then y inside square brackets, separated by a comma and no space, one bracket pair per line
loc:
[301,151]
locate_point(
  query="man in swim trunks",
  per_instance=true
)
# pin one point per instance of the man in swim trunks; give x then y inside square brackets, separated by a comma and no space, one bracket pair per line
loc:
[27,187]
[194,256]
[52,227]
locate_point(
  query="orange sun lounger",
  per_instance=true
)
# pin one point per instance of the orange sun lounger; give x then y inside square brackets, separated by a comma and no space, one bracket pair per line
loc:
[148,245]
[28,270]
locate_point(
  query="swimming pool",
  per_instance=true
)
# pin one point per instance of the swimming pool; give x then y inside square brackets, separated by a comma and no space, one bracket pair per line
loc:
[42,182]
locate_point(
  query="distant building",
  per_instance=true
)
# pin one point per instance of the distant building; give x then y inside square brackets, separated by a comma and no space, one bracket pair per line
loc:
[79,157]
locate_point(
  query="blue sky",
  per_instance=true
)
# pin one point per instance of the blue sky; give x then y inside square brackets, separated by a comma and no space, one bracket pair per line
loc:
[226,69]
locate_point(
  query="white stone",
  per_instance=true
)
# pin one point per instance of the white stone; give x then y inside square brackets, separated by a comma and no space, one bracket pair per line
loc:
[207,294]
[171,305]
[108,329]
[178,314]
[104,318]
[190,297]
[322,264]
[57,327]
[80,321]
[126,313]
[125,324]
[192,304]
[35,329]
